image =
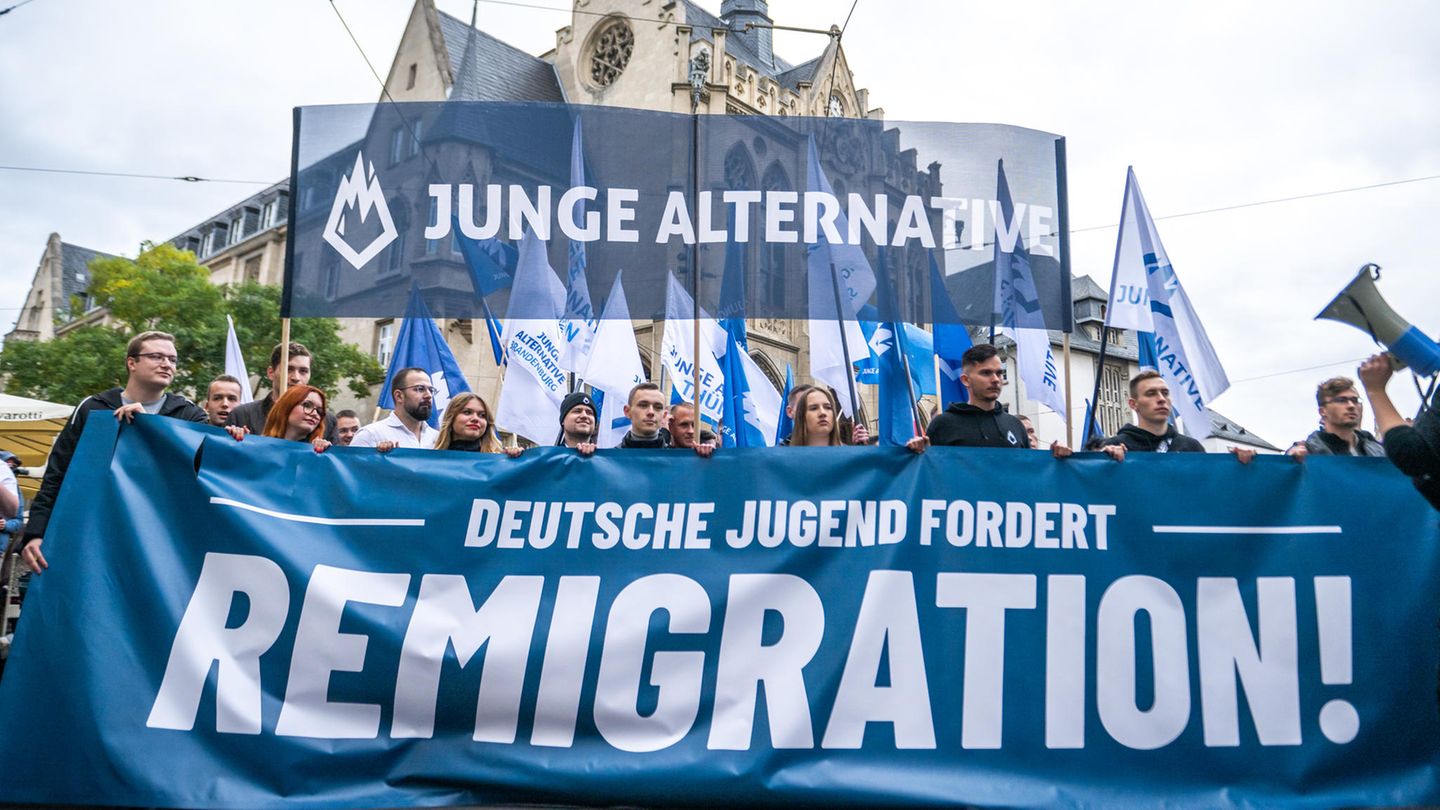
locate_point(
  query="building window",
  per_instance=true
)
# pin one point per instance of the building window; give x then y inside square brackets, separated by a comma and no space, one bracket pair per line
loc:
[252,269]
[384,341]
[397,145]
[237,228]
[332,277]
[415,129]
[610,52]
[432,246]
[215,239]
[410,82]
[1113,393]
[267,214]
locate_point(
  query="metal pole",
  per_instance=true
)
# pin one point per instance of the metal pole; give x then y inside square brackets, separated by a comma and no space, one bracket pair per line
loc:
[1069,411]
[845,344]
[909,380]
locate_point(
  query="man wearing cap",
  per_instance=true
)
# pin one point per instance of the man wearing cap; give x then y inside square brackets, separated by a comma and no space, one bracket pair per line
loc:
[577,423]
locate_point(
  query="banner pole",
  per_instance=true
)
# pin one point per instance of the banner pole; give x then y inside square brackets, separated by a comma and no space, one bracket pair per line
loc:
[695,257]
[909,378]
[1069,411]
[282,374]
[845,344]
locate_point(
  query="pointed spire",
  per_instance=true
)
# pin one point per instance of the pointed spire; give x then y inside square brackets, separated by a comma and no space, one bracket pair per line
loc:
[467,78]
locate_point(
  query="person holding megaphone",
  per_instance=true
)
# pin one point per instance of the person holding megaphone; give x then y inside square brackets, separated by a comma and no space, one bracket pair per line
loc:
[1415,449]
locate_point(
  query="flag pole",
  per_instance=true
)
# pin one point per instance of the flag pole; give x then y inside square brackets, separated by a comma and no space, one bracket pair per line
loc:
[1069,419]
[909,379]
[282,374]
[844,344]
[1105,325]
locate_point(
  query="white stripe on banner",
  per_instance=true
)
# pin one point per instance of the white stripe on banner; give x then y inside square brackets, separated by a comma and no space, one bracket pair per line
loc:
[323,521]
[1246,529]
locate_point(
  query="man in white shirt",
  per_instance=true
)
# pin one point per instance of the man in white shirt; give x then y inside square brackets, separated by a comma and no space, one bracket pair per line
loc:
[406,426]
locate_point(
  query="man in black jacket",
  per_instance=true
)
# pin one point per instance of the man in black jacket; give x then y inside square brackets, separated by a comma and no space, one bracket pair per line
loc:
[251,415]
[1341,413]
[151,361]
[1413,448]
[980,422]
[1150,400]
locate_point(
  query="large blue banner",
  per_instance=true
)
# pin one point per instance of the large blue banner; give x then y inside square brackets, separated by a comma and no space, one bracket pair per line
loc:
[432,194]
[253,624]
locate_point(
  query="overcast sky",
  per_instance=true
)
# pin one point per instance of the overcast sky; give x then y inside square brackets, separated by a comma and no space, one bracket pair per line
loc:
[1214,104]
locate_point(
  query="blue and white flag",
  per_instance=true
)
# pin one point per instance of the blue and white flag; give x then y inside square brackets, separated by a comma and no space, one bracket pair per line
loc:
[578,324]
[678,352]
[951,340]
[235,361]
[492,268]
[420,345]
[1146,296]
[834,270]
[784,425]
[752,405]
[614,367]
[1018,303]
[534,380]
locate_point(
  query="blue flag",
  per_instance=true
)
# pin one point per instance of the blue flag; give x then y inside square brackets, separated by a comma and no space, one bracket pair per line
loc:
[951,339]
[492,268]
[785,426]
[897,415]
[1092,425]
[420,345]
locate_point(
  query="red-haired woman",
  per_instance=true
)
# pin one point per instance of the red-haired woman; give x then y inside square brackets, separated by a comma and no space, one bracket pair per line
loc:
[298,416]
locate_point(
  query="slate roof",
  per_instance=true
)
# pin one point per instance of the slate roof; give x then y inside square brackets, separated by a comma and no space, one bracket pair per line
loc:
[701,21]
[487,69]
[1085,287]
[75,270]
[1222,427]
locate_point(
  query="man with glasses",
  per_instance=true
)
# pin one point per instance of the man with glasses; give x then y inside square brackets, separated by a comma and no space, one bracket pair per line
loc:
[252,415]
[407,425]
[1341,412]
[151,362]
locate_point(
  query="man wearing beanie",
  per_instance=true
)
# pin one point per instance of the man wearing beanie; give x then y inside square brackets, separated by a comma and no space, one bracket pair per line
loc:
[577,423]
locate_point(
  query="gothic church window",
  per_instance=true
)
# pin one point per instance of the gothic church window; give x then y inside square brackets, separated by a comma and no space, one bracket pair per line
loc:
[610,53]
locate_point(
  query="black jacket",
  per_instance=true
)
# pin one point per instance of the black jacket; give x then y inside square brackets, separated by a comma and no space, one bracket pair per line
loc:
[964,425]
[174,406]
[660,441]
[1416,451]
[1139,440]
[253,414]
[1324,443]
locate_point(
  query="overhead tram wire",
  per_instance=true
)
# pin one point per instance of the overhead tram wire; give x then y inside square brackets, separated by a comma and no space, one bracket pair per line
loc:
[1235,207]
[186,178]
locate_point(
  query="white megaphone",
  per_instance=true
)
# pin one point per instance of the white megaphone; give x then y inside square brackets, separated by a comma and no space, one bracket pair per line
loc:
[1361,305]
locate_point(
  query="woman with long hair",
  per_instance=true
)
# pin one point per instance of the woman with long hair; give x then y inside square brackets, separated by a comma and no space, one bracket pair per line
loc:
[297,416]
[817,421]
[467,425]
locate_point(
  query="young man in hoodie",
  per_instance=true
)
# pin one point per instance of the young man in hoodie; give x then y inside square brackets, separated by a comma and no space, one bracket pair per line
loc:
[150,362]
[1150,400]
[980,422]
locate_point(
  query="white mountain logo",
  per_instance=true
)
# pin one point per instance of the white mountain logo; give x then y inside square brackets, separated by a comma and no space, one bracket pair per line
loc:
[364,195]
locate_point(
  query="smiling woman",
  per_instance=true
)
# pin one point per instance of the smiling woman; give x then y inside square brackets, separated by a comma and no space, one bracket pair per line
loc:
[299,415]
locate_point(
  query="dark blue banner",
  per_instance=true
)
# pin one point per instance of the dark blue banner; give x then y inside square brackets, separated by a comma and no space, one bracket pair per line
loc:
[253,624]
[440,194]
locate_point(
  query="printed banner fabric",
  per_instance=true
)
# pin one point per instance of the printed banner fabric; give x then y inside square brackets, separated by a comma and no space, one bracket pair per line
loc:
[254,624]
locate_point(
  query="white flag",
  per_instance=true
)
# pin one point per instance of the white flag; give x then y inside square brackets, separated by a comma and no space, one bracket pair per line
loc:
[835,270]
[1146,296]
[1036,361]
[677,350]
[614,366]
[235,362]
[534,381]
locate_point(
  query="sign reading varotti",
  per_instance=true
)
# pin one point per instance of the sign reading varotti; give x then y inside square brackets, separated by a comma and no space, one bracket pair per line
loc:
[253,624]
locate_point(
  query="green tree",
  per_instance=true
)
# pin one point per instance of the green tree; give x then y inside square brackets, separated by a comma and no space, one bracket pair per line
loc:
[165,288]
